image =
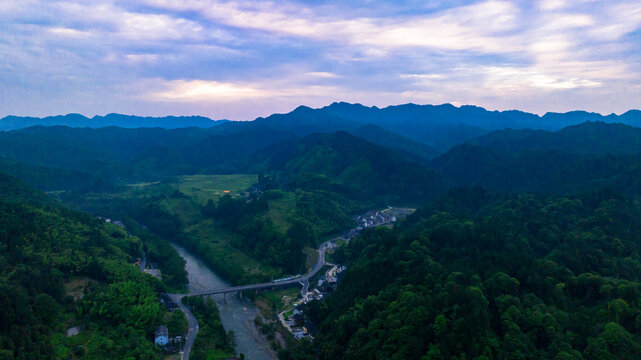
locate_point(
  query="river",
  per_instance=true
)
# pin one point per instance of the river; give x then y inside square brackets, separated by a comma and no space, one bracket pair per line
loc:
[236,314]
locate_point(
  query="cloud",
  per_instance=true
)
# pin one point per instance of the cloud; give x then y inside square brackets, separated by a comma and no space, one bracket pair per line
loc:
[321,74]
[216,55]
[201,90]
[514,78]
[552,4]
[466,27]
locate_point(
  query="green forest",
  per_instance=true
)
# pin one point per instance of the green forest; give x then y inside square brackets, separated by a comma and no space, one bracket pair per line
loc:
[524,245]
[61,268]
[479,275]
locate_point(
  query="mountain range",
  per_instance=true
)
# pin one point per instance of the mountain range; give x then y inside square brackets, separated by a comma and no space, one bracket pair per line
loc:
[439,126]
[399,152]
[126,121]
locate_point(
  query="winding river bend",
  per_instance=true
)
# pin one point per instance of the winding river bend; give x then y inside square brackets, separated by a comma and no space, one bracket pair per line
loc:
[235,314]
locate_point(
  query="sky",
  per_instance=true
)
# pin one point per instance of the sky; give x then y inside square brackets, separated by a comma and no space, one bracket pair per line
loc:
[242,59]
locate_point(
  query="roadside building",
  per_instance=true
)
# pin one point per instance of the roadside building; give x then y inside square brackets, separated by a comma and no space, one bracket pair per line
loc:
[161,335]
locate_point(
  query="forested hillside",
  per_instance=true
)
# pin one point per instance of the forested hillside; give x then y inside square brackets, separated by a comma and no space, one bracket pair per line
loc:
[572,160]
[60,268]
[596,138]
[547,267]
[476,275]
[364,170]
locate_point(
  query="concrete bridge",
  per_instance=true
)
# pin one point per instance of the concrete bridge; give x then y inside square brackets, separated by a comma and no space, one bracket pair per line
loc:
[267,285]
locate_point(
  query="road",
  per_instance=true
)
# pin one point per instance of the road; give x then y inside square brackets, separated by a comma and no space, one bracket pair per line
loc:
[193,325]
[143,262]
[191,319]
[303,279]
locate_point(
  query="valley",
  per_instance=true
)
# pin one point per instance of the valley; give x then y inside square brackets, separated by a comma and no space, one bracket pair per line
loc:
[383,235]
[320,180]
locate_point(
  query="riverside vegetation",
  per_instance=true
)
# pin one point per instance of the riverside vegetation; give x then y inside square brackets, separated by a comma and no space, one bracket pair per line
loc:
[525,244]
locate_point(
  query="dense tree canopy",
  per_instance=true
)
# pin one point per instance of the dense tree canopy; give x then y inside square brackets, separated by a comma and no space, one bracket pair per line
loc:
[497,278]
[42,252]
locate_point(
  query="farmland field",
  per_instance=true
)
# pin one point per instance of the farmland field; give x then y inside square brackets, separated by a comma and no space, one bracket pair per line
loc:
[204,187]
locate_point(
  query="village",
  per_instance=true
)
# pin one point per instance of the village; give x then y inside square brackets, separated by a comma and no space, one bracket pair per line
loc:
[293,317]
[316,288]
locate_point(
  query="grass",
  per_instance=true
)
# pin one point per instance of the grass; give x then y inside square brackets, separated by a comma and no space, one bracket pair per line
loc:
[312,257]
[271,303]
[280,209]
[185,208]
[289,313]
[204,187]
[215,243]
[218,242]
[76,287]
[218,355]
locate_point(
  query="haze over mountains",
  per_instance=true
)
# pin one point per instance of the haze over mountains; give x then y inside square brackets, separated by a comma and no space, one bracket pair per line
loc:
[420,148]
[126,121]
[440,126]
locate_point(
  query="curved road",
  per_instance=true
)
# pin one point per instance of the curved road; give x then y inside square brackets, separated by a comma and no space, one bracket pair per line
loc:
[303,279]
[191,319]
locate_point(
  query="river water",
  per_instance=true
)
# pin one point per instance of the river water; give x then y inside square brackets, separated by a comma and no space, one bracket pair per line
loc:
[236,314]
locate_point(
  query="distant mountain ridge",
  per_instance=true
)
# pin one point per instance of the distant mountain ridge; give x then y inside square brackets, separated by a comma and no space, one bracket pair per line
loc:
[125,121]
[440,126]
[589,137]
[574,159]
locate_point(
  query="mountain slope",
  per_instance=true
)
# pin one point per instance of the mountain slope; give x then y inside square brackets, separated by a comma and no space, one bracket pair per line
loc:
[304,120]
[586,138]
[60,268]
[574,159]
[366,169]
[52,179]
[516,278]
[380,136]
[14,190]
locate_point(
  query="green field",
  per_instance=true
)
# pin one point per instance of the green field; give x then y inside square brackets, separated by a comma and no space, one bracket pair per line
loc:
[217,250]
[280,208]
[205,187]
[214,242]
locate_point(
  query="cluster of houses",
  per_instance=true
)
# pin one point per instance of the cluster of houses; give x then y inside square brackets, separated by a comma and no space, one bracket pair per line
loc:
[374,218]
[327,283]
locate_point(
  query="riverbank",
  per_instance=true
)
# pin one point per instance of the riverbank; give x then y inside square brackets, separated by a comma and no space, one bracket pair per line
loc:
[236,314]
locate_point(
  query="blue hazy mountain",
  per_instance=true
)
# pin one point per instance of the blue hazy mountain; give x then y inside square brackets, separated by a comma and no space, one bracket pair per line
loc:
[574,159]
[440,126]
[598,138]
[119,120]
